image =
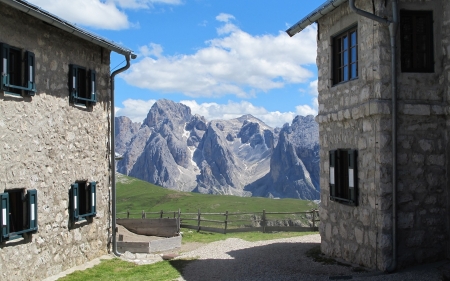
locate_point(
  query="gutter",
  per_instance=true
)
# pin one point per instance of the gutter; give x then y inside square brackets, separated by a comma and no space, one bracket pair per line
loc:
[51,19]
[393,26]
[312,17]
[113,156]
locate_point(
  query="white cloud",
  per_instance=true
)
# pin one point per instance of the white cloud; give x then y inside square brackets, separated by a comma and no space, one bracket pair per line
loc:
[92,13]
[235,63]
[305,110]
[232,110]
[136,110]
[154,50]
[99,14]
[224,17]
[143,4]
[313,88]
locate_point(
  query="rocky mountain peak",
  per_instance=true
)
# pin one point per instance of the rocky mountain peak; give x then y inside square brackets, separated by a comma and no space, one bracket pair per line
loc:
[242,156]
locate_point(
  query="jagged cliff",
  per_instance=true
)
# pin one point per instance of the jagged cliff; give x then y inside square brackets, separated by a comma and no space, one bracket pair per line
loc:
[178,150]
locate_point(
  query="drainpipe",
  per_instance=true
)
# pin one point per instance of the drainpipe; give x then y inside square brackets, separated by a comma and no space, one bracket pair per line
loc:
[113,154]
[393,25]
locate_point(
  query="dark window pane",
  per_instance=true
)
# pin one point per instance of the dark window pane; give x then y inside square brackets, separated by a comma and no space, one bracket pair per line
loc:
[416,41]
[345,58]
[354,73]
[353,58]
[353,43]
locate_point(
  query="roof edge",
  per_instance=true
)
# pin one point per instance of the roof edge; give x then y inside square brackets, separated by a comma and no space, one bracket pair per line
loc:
[54,20]
[315,15]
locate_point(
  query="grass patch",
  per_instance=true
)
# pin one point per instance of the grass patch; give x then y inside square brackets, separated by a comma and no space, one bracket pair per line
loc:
[136,195]
[117,269]
[208,237]
[316,255]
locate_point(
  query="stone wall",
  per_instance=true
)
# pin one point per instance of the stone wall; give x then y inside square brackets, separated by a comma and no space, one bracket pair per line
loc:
[357,115]
[47,144]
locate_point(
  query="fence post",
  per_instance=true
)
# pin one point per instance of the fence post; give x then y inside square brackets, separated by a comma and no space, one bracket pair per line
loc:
[314,219]
[179,221]
[161,214]
[264,221]
[128,214]
[143,214]
[226,222]
[198,226]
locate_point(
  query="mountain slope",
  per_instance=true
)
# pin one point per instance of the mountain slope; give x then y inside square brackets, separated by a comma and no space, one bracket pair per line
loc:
[241,156]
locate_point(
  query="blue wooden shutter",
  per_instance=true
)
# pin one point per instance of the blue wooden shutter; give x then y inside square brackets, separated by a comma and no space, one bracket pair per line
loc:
[32,208]
[74,204]
[352,175]
[93,198]
[93,86]
[333,173]
[30,73]
[4,66]
[73,82]
[4,216]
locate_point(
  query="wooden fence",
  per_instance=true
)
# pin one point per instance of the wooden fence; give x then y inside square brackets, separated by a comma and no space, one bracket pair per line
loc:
[237,222]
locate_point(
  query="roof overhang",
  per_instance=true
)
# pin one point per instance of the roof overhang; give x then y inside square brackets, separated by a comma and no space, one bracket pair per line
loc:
[312,17]
[49,18]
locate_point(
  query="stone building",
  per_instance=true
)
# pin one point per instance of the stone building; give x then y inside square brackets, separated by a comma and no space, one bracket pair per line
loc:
[384,77]
[55,107]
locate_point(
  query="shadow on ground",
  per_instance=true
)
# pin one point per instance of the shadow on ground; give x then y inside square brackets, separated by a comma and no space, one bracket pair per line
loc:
[290,261]
[277,261]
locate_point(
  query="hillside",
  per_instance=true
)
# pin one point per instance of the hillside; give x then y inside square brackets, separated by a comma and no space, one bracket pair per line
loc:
[137,195]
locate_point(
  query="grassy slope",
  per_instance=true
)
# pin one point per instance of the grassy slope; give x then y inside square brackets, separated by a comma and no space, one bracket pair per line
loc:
[136,195]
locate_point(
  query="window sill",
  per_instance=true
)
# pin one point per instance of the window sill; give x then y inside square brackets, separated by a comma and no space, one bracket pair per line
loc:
[12,95]
[343,201]
[344,82]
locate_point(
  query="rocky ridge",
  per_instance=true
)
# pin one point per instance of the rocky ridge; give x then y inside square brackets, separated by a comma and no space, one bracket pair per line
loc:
[178,150]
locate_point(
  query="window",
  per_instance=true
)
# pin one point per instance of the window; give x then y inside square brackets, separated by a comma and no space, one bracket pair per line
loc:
[18,213]
[82,85]
[82,200]
[345,56]
[343,176]
[416,41]
[17,71]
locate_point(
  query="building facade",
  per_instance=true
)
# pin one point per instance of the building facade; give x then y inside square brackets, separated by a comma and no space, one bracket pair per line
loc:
[55,103]
[384,149]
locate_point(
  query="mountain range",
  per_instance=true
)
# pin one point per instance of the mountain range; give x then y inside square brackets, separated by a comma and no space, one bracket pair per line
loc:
[245,157]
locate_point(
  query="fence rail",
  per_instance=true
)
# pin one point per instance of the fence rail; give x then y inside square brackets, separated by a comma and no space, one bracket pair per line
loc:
[237,222]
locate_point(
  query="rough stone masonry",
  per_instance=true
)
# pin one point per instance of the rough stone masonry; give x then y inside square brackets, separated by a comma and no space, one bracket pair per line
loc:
[357,115]
[47,144]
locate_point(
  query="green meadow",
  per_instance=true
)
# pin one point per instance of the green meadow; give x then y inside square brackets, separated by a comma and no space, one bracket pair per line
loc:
[137,196]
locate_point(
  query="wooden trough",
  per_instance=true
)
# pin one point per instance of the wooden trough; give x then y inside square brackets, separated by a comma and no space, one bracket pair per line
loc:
[148,235]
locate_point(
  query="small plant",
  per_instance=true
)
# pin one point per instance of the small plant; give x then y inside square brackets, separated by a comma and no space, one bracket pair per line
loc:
[316,255]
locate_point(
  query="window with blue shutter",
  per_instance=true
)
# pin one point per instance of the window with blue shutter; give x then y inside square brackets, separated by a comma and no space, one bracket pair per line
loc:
[332,173]
[32,210]
[73,201]
[4,219]
[83,200]
[343,178]
[17,71]
[82,85]
[18,213]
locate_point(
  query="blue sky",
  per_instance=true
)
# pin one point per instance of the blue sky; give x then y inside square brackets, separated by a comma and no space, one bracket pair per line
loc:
[222,58]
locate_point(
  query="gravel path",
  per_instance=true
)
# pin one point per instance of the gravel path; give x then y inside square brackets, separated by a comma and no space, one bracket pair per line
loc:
[280,259]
